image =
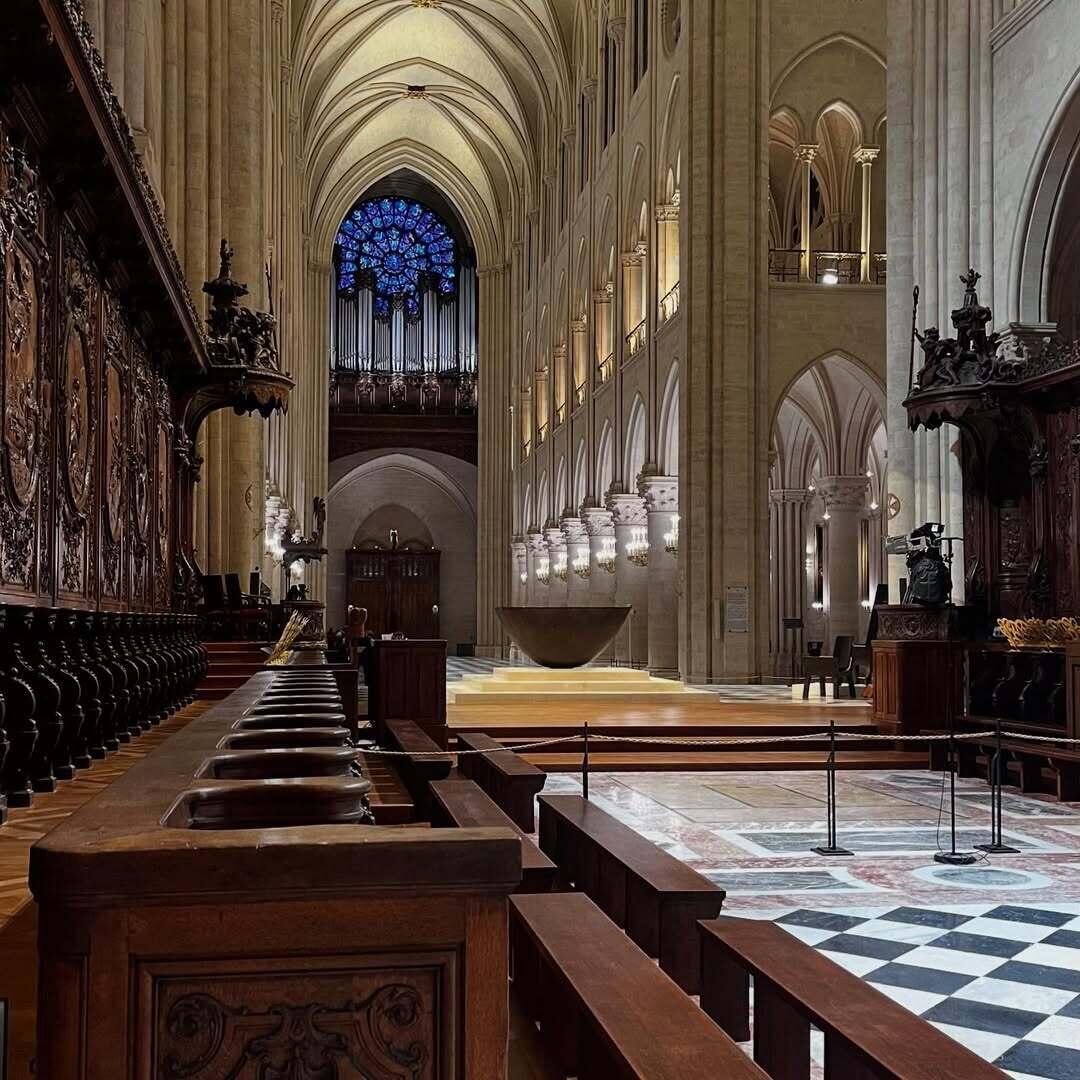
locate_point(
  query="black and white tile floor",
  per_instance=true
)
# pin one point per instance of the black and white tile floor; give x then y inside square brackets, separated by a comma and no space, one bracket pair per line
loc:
[1003,980]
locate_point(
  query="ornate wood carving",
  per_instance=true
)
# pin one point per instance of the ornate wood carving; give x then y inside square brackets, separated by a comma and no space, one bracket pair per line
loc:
[361,1023]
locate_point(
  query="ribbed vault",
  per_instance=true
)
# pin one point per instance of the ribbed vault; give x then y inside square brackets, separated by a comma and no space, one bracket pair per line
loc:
[458,91]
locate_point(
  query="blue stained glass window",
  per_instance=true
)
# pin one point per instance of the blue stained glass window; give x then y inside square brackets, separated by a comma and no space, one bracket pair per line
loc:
[395,246]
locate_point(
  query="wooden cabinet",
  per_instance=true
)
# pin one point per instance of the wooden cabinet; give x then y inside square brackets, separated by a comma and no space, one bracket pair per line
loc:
[399,588]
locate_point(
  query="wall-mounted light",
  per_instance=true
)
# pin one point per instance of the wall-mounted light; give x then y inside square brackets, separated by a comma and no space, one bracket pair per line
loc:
[866,604]
[560,568]
[817,605]
[811,488]
[523,577]
[581,566]
[671,537]
[637,549]
[826,516]
[543,571]
[830,277]
[874,505]
[605,557]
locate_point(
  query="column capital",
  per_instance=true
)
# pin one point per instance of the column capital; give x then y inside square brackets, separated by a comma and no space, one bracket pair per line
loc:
[668,211]
[597,521]
[579,326]
[866,155]
[277,10]
[788,495]
[556,541]
[537,544]
[519,547]
[589,88]
[843,492]
[1023,341]
[806,152]
[574,530]
[661,493]
[568,134]
[627,509]
[617,28]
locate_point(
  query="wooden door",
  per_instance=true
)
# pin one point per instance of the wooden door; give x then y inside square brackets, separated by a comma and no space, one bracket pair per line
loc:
[399,589]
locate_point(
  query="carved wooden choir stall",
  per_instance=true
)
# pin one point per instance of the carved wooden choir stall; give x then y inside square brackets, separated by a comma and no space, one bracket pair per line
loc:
[1015,398]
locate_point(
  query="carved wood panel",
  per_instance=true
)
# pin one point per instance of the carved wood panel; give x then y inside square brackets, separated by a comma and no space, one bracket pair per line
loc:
[86,418]
[351,1023]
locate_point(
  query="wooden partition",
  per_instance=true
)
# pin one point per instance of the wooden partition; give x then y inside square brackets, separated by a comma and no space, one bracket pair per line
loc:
[407,680]
[172,951]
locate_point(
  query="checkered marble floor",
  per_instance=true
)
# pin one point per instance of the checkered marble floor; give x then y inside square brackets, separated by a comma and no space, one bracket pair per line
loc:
[1002,979]
[990,953]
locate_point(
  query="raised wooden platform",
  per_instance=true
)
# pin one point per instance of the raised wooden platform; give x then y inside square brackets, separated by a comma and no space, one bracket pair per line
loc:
[697,716]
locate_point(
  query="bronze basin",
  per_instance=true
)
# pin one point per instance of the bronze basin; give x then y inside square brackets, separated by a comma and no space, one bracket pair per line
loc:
[562,637]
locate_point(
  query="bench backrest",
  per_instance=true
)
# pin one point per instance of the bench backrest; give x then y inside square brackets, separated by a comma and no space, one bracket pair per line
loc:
[644,1020]
[500,758]
[638,854]
[883,1033]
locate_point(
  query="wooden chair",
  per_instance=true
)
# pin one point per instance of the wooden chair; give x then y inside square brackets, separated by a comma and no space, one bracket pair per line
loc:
[839,667]
[249,614]
[863,652]
[212,608]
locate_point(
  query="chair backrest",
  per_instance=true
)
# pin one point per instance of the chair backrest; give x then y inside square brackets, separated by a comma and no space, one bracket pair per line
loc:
[813,648]
[881,596]
[213,591]
[233,590]
[842,651]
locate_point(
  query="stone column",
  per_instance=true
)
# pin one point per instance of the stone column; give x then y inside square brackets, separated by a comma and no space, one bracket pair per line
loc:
[600,528]
[661,495]
[577,551]
[787,506]
[865,157]
[845,500]
[538,554]
[805,153]
[632,581]
[519,566]
[559,586]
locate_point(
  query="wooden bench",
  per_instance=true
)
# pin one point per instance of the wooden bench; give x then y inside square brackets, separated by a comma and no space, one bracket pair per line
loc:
[655,897]
[426,761]
[464,804]
[510,780]
[868,1036]
[604,1008]
[1032,767]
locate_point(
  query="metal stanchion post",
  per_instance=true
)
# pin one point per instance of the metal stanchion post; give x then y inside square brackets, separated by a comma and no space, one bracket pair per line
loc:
[952,856]
[996,847]
[585,764]
[830,847]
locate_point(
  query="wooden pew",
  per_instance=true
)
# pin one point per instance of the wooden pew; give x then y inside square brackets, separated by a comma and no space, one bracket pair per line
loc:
[510,780]
[1032,767]
[604,1008]
[868,1036]
[655,897]
[417,772]
[464,804]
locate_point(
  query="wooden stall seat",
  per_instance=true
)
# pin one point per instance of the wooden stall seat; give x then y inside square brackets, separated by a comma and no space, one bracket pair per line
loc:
[1032,767]
[655,897]
[421,767]
[868,1036]
[605,1009]
[464,804]
[510,780]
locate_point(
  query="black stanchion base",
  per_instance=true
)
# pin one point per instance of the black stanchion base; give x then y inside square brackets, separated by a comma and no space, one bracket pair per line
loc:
[955,858]
[997,849]
[825,849]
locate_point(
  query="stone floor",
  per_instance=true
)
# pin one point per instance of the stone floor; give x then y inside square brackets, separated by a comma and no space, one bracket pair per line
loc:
[990,953]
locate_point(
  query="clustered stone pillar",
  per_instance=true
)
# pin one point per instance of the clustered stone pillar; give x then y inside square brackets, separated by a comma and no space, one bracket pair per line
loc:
[661,495]
[600,527]
[632,587]
[845,498]
[788,530]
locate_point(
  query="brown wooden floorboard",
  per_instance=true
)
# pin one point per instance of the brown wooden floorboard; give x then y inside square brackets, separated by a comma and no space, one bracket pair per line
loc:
[18,913]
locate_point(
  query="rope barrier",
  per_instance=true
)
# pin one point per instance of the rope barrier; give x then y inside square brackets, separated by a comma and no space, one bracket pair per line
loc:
[726,740]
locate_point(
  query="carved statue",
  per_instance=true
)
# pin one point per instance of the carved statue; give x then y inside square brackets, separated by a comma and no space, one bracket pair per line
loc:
[968,359]
[238,335]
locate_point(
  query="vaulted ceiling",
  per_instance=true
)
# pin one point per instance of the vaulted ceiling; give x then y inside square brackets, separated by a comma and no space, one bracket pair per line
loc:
[459,91]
